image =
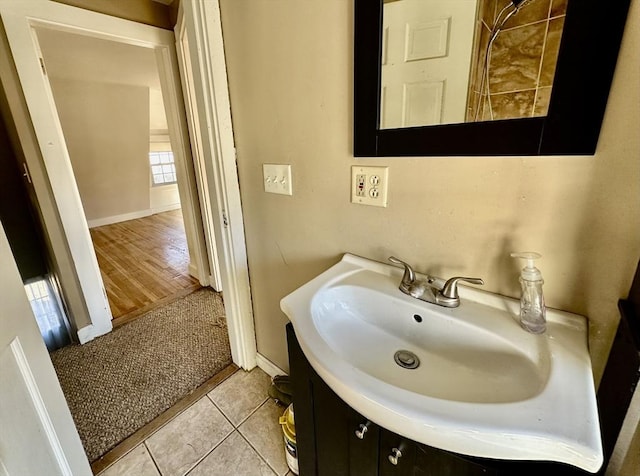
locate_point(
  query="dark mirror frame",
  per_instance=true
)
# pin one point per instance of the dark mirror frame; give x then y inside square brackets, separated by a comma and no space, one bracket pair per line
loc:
[586,62]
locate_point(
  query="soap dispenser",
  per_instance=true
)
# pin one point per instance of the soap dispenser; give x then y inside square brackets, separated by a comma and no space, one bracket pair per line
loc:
[532,309]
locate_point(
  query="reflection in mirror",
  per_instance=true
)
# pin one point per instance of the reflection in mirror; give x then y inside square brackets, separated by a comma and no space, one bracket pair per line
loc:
[453,61]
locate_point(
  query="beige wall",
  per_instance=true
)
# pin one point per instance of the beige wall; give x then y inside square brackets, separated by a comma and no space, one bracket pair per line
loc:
[106,127]
[290,76]
[158,118]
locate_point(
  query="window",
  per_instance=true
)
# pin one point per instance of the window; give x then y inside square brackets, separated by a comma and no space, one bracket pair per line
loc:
[163,168]
[47,309]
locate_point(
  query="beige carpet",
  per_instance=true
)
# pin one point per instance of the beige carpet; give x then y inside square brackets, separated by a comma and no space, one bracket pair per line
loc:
[117,383]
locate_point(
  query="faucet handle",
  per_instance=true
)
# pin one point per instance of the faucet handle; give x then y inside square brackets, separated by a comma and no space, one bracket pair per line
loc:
[450,288]
[409,275]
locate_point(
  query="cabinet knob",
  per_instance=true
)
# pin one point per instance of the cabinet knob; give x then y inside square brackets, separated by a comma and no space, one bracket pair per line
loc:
[362,430]
[395,456]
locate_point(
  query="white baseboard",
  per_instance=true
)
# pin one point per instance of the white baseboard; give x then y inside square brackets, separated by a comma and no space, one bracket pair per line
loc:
[269,367]
[131,216]
[86,334]
[166,208]
[118,218]
[193,271]
[90,332]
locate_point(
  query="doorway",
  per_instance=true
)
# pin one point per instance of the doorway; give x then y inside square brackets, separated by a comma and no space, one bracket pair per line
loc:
[40,136]
[109,100]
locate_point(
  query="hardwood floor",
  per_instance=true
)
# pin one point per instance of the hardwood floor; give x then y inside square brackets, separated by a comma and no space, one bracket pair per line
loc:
[143,262]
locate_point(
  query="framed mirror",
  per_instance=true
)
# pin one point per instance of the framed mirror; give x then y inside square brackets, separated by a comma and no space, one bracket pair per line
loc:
[483,77]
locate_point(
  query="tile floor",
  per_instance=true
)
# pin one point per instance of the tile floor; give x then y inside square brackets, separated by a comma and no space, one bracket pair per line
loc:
[232,431]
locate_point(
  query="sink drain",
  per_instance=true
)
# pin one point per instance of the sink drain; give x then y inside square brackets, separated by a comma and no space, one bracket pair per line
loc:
[406,359]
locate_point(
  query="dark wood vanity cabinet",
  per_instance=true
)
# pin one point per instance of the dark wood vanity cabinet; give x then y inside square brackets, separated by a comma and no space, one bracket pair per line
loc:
[421,460]
[326,429]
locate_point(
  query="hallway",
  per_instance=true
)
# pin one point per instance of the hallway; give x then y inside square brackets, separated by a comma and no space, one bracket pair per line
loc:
[120,381]
[143,262]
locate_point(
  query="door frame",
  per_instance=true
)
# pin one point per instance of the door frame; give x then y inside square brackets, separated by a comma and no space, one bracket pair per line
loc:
[200,48]
[19,20]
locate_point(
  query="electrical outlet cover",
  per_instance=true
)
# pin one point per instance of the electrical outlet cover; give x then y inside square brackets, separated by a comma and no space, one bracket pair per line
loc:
[369,185]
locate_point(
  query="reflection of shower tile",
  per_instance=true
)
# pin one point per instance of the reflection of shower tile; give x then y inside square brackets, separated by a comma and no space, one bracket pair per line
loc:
[500,4]
[551,49]
[485,10]
[482,52]
[479,115]
[473,106]
[533,11]
[558,7]
[513,105]
[490,10]
[475,52]
[541,106]
[515,58]
[485,111]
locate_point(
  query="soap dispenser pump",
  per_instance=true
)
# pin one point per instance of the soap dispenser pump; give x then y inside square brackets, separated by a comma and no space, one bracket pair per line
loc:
[532,308]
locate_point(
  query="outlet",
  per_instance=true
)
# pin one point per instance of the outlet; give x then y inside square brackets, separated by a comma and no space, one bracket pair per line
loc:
[361,182]
[369,185]
[277,179]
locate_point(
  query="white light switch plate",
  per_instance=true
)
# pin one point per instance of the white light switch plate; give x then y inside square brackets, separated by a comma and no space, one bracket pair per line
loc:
[369,185]
[277,178]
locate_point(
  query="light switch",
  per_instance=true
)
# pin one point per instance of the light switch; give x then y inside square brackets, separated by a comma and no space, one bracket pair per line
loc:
[369,185]
[277,178]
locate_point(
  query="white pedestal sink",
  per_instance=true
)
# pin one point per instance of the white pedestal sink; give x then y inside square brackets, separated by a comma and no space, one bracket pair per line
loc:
[483,387]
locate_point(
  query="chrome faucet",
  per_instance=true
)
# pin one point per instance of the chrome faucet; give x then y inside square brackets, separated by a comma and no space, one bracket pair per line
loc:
[427,290]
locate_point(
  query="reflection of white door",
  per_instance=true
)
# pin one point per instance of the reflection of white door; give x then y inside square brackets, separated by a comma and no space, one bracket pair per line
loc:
[37,434]
[426,57]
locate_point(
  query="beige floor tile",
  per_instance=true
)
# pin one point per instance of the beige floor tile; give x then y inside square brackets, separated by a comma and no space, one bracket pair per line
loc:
[234,457]
[137,461]
[263,432]
[239,395]
[178,445]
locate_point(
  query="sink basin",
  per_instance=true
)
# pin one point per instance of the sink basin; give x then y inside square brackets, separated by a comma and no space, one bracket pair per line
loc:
[459,359]
[466,379]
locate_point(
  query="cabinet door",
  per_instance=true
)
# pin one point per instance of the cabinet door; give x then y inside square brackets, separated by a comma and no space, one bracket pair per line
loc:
[435,462]
[397,455]
[300,369]
[339,451]
[326,426]
[364,438]
[419,460]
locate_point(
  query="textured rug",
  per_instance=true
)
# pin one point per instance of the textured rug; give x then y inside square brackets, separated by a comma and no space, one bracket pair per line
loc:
[121,381]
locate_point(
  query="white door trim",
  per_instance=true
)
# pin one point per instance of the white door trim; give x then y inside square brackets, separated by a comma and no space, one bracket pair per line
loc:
[199,26]
[167,62]
[206,202]
[19,19]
